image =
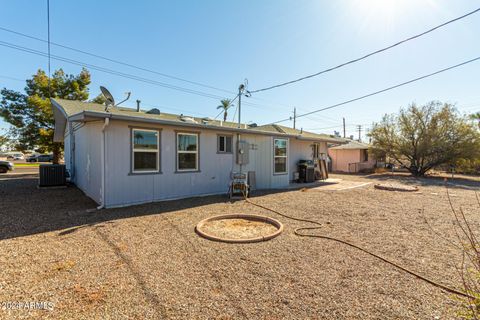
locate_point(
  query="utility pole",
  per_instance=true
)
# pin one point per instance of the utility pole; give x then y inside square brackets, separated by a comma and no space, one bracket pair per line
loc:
[240,92]
[344,132]
[359,128]
[294,117]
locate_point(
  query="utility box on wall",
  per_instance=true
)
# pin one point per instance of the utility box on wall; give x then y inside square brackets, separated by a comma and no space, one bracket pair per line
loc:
[243,149]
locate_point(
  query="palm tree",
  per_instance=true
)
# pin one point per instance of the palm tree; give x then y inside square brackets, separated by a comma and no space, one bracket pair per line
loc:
[225,104]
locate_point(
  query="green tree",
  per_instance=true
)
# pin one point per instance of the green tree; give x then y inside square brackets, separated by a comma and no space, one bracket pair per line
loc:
[476,116]
[30,113]
[224,104]
[100,99]
[424,137]
[4,141]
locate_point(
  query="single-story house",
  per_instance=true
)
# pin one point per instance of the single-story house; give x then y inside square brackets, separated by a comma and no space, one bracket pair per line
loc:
[124,156]
[351,157]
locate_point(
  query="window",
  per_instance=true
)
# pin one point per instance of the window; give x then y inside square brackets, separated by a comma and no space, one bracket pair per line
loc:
[187,151]
[280,156]
[145,150]
[224,144]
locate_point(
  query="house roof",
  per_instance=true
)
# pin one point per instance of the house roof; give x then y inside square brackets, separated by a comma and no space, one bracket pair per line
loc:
[74,110]
[301,133]
[351,145]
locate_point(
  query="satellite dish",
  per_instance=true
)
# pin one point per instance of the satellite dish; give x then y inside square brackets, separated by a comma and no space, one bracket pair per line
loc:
[110,101]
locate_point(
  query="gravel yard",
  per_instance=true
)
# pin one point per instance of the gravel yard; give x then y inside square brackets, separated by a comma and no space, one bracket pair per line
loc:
[238,228]
[146,261]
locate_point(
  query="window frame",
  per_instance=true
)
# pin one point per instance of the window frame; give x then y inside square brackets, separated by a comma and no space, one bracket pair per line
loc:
[218,143]
[177,152]
[285,156]
[133,150]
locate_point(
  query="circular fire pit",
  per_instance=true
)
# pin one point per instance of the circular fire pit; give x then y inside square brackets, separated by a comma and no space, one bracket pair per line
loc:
[239,228]
[395,187]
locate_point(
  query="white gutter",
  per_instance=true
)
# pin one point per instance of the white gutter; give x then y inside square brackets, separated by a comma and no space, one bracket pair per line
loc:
[103,164]
[79,117]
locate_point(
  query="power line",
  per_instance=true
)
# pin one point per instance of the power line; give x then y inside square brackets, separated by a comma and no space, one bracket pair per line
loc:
[110,71]
[12,78]
[134,66]
[116,61]
[255,105]
[368,55]
[383,90]
[337,126]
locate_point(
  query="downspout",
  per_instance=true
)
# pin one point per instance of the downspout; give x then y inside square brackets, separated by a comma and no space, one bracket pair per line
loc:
[103,164]
[72,151]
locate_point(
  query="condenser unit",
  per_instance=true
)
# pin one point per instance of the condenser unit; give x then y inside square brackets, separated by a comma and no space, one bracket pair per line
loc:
[52,175]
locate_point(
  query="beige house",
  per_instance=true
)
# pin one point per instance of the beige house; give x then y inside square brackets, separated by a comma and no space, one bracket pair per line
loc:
[351,157]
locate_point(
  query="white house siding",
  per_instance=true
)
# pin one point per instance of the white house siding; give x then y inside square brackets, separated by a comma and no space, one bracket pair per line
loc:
[88,171]
[302,150]
[123,188]
[299,150]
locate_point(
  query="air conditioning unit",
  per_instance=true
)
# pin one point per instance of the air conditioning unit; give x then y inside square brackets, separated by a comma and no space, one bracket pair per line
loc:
[52,175]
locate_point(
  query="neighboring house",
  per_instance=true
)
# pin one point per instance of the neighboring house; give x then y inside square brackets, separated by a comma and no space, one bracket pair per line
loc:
[351,157]
[125,156]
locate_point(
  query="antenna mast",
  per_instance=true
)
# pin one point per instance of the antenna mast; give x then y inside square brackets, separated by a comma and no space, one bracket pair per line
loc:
[240,92]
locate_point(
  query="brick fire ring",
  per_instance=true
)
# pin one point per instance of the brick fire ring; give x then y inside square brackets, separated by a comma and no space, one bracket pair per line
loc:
[199,229]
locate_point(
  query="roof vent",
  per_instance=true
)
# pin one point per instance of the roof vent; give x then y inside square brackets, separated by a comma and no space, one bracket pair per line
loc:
[153,111]
[206,120]
[187,119]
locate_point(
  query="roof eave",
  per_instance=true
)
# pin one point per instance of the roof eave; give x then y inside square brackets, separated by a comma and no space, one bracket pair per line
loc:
[328,140]
[89,115]
[60,121]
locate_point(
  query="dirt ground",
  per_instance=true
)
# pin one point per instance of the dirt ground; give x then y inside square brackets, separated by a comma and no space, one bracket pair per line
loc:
[146,261]
[238,228]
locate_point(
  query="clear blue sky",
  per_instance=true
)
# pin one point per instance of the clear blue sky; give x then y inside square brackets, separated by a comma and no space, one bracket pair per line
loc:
[220,43]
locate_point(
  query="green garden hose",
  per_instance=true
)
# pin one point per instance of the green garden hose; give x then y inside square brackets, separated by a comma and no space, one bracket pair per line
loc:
[298,232]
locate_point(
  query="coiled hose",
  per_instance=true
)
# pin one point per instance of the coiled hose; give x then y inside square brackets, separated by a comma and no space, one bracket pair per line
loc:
[297,232]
